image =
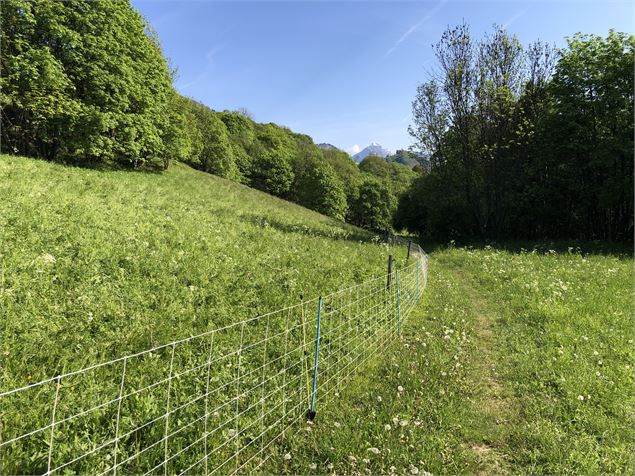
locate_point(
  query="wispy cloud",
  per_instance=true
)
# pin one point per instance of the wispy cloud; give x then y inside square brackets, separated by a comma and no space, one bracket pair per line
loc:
[210,58]
[415,27]
[514,17]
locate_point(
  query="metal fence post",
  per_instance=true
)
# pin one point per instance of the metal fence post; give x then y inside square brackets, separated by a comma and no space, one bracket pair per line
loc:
[311,413]
[389,272]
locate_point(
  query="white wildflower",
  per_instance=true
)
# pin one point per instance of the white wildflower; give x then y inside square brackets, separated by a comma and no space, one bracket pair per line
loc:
[414,469]
[374,450]
[287,456]
[387,427]
[400,389]
[313,466]
[581,398]
[46,259]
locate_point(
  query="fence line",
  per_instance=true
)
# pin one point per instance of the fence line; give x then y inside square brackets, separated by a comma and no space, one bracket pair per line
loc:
[213,403]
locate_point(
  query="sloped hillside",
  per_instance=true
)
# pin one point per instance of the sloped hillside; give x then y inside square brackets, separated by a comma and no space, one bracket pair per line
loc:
[95,264]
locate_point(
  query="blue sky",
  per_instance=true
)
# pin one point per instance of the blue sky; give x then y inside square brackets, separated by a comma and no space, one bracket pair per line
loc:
[343,72]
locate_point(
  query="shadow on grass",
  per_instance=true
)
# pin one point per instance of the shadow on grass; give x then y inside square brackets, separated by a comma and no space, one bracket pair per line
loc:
[338,231]
[601,248]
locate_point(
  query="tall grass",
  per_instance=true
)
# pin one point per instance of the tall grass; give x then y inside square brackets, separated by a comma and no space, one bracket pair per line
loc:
[98,264]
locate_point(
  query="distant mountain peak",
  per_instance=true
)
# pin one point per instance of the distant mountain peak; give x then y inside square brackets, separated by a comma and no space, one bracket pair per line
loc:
[327,146]
[373,149]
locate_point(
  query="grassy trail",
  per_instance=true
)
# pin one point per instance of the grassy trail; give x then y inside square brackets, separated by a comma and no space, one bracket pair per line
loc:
[493,405]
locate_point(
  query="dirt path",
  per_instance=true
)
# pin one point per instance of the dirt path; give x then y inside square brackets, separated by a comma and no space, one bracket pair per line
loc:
[493,406]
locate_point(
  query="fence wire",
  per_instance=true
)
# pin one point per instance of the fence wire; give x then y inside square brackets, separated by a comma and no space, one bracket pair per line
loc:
[214,403]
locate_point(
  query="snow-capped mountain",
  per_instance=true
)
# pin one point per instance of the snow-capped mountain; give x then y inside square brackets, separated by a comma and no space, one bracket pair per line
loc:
[373,149]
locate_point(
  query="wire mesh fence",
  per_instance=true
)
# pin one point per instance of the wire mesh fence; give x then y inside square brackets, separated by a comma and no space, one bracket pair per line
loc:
[214,403]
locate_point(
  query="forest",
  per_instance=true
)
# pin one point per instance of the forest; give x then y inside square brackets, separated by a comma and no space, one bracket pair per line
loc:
[525,142]
[511,141]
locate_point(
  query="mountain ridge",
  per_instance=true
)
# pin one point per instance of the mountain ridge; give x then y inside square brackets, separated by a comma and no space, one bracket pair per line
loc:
[373,149]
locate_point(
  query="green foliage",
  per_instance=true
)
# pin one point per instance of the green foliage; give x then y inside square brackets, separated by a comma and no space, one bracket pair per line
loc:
[273,153]
[82,81]
[374,206]
[214,153]
[592,98]
[242,136]
[405,157]
[318,187]
[396,176]
[517,149]
[375,166]
[347,171]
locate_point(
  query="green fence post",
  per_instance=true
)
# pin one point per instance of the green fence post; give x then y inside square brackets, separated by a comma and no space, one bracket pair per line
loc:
[311,413]
[398,303]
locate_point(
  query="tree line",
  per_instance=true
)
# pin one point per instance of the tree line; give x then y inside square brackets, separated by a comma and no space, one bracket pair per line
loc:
[524,142]
[87,83]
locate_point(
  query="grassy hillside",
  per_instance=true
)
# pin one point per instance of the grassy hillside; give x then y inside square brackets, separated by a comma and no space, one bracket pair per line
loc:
[97,264]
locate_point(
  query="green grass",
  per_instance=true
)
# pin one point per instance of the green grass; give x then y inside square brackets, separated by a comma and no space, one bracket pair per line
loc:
[95,265]
[519,362]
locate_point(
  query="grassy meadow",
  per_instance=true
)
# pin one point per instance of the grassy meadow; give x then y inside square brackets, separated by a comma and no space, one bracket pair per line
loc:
[518,361]
[98,264]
